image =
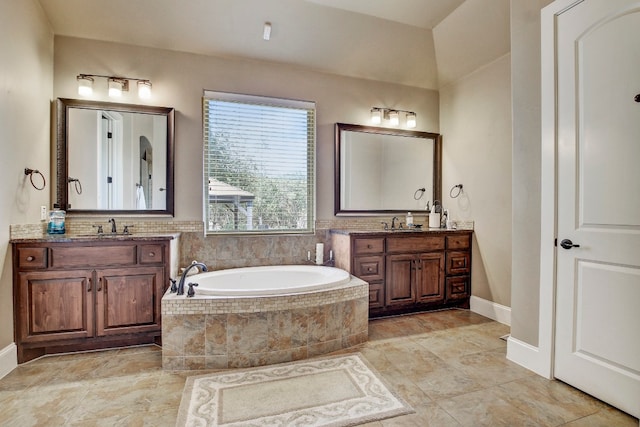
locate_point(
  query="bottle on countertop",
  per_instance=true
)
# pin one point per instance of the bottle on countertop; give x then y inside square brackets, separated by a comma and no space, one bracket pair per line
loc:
[445,218]
[409,220]
[56,220]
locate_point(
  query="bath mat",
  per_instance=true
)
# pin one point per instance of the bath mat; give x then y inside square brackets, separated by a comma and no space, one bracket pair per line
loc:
[332,391]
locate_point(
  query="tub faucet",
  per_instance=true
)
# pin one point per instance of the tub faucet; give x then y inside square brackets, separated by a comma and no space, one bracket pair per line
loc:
[184,275]
[114,229]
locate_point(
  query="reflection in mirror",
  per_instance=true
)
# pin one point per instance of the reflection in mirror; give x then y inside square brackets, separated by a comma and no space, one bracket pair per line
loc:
[382,170]
[114,157]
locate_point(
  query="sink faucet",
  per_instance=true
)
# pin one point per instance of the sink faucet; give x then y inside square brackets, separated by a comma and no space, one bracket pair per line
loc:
[114,229]
[184,275]
[393,222]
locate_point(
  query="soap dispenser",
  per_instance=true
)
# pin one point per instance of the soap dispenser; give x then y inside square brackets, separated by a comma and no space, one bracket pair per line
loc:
[409,220]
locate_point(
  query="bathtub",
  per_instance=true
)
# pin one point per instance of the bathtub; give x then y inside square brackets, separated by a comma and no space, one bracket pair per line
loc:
[254,316]
[269,280]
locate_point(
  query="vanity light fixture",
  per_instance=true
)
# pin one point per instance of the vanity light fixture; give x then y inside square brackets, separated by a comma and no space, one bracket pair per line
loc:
[394,118]
[144,89]
[393,115]
[85,85]
[116,85]
[376,116]
[411,120]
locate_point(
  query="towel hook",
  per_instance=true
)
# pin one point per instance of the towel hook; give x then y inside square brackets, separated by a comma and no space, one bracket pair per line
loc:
[32,172]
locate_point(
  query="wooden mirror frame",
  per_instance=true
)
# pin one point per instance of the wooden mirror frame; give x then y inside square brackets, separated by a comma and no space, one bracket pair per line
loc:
[62,162]
[437,165]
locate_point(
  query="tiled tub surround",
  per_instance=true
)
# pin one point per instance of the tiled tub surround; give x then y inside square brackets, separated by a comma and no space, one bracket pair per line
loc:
[229,332]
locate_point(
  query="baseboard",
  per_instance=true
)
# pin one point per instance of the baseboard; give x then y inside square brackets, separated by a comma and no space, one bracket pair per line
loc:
[490,309]
[8,359]
[527,356]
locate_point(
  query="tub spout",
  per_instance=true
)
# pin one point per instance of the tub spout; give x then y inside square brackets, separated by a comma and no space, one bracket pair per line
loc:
[194,264]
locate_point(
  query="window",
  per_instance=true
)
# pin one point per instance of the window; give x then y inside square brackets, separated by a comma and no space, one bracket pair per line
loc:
[259,163]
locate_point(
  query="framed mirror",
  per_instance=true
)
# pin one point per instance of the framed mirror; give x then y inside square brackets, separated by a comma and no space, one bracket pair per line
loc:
[382,170]
[114,158]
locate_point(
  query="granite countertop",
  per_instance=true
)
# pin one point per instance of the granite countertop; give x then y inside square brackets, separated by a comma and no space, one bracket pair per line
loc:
[68,238]
[398,232]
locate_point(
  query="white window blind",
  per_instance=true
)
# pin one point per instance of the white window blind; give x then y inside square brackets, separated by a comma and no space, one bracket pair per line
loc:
[259,163]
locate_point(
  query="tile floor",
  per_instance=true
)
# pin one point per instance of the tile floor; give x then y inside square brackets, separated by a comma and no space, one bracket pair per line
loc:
[449,365]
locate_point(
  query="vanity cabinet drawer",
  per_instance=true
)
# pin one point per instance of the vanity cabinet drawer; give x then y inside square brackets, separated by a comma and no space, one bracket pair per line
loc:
[369,268]
[415,244]
[458,287]
[458,262]
[459,241]
[29,258]
[376,295]
[368,246]
[96,256]
[151,254]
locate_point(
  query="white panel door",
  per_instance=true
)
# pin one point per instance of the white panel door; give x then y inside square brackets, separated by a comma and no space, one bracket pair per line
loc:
[597,345]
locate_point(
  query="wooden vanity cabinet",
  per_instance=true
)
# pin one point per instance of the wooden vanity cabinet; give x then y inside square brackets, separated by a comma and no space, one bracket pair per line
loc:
[408,271]
[82,295]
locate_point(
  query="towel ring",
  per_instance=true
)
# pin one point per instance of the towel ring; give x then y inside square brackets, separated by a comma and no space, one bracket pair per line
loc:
[76,183]
[32,172]
[451,192]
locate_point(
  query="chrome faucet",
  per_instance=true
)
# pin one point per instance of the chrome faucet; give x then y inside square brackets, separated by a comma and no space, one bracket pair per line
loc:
[180,290]
[114,229]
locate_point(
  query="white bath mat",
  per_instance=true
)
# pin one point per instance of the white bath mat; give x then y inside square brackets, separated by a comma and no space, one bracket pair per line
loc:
[334,391]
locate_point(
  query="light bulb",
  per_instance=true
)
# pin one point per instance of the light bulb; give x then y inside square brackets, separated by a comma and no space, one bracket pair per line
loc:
[144,89]
[376,116]
[394,118]
[85,85]
[411,120]
[115,88]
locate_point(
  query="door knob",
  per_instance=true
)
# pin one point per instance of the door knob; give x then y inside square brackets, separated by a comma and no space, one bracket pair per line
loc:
[568,244]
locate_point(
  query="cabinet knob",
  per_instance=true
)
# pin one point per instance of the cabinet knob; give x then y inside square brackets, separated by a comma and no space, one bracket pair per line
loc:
[369,246]
[30,258]
[152,254]
[369,269]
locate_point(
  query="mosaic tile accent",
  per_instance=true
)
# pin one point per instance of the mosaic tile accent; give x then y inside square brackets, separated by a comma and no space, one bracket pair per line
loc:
[208,332]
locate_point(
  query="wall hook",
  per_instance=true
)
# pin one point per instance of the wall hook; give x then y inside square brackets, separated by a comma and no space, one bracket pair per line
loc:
[32,172]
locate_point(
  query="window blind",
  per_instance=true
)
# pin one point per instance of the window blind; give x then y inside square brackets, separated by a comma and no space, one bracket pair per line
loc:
[259,163]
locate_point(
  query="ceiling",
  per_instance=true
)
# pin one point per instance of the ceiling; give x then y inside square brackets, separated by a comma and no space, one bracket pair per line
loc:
[382,40]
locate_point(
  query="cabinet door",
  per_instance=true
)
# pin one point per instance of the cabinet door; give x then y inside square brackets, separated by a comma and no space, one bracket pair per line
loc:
[430,277]
[401,271]
[55,305]
[128,300]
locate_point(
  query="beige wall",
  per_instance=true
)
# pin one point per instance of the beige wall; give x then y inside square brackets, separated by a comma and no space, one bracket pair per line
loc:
[179,79]
[26,79]
[475,121]
[525,63]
